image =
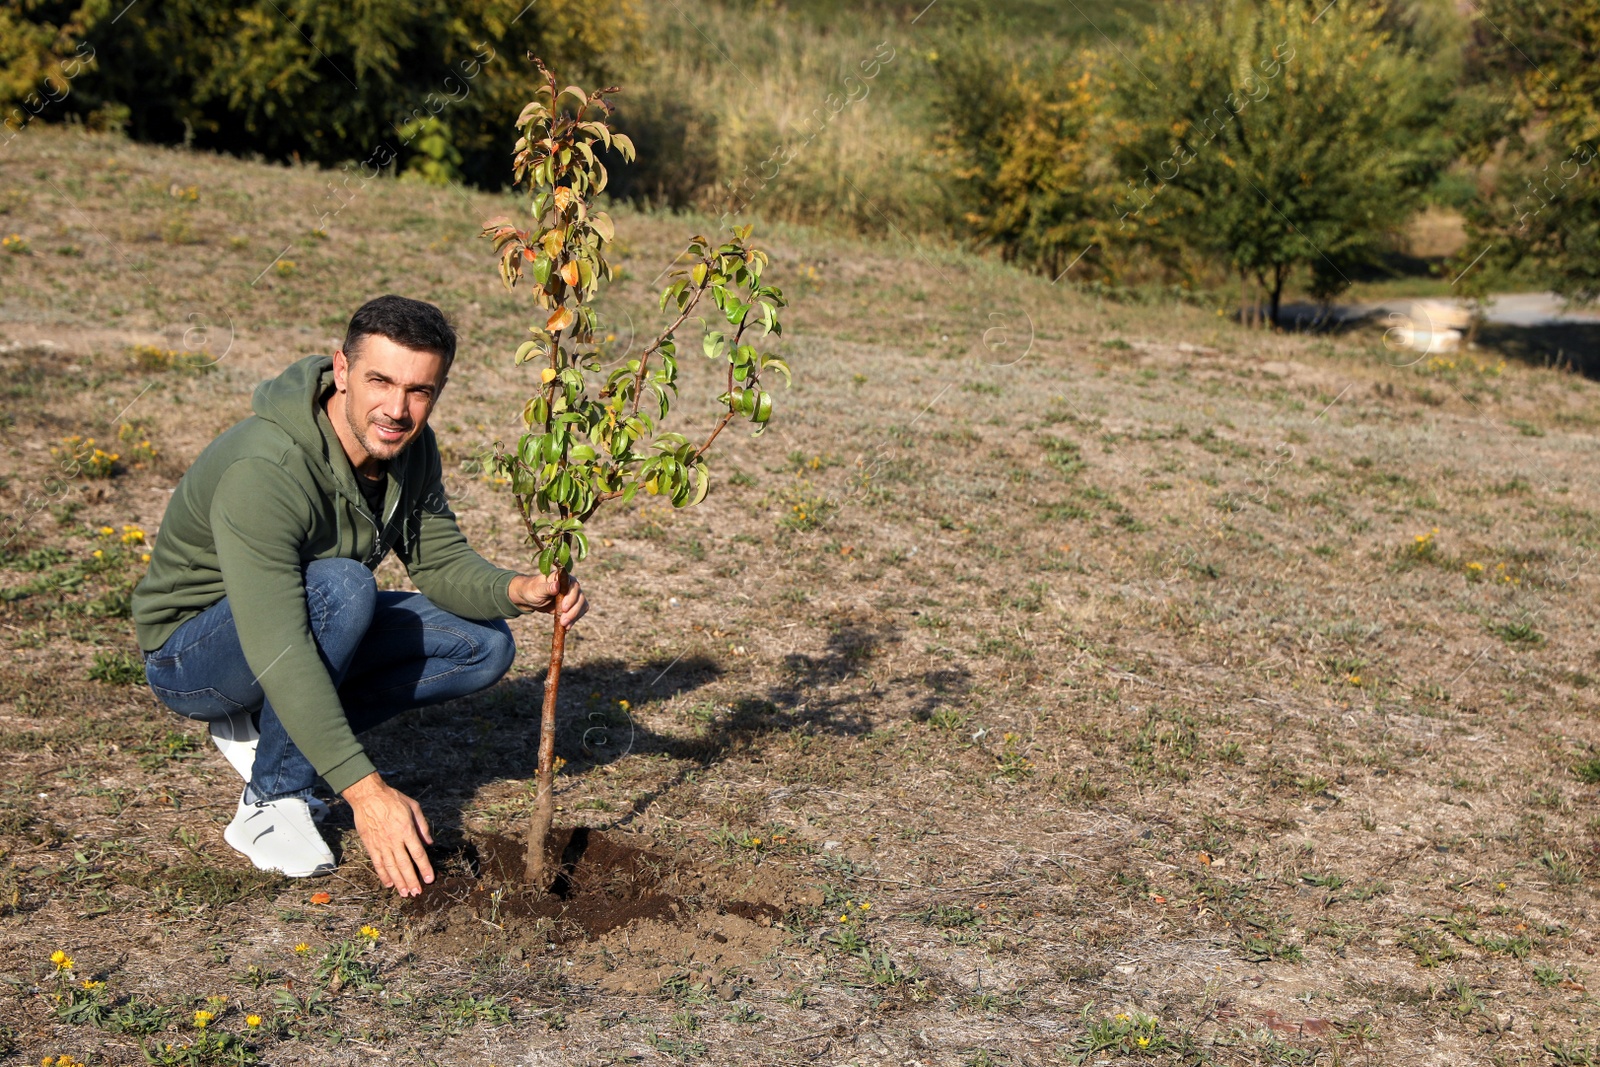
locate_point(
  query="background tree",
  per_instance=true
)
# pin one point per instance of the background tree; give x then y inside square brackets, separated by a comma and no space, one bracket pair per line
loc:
[1533,64]
[1275,135]
[1019,143]
[594,435]
[324,83]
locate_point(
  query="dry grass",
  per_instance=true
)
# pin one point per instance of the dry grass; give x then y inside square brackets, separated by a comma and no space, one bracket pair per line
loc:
[1115,680]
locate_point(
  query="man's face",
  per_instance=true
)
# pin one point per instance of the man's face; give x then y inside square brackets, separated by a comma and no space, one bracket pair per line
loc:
[389,391]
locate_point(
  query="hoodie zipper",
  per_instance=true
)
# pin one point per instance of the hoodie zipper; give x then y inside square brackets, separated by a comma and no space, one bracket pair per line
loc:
[379,547]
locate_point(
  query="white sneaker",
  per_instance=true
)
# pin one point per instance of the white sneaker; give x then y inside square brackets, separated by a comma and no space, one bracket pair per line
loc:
[279,835]
[236,737]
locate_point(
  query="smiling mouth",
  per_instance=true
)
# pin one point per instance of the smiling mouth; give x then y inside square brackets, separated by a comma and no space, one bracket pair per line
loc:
[389,433]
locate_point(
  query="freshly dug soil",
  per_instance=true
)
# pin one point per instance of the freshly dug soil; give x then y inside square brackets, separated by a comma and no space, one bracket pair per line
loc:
[601,884]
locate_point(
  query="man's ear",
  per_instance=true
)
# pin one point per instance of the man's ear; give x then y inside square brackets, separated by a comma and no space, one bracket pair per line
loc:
[341,370]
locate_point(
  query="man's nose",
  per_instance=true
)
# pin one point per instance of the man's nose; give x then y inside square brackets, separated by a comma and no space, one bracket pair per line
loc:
[394,407]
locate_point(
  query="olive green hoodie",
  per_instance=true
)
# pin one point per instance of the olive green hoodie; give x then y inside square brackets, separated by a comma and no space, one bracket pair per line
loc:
[268,496]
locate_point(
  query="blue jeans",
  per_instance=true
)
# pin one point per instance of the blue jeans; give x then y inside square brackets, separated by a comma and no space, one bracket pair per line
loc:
[385,651]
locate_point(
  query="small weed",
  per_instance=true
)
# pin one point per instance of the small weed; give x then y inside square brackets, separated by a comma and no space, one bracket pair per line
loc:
[1430,947]
[1548,976]
[1126,1033]
[468,1010]
[343,965]
[155,358]
[139,1016]
[1562,870]
[82,456]
[808,508]
[1517,633]
[1065,456]
[682,988]
[117,668]
[210,1049]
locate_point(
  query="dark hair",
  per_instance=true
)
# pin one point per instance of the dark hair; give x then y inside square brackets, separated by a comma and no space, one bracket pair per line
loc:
[406,322]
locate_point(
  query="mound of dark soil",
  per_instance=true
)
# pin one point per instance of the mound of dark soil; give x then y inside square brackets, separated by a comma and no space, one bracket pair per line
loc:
[601,884]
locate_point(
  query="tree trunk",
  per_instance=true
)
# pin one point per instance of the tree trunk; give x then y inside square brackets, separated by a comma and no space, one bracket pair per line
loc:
[1279,275]
[544,805]
[1246,307]
[1474,324]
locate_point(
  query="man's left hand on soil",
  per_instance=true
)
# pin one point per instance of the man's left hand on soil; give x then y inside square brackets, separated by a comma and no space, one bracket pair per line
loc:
[537,592]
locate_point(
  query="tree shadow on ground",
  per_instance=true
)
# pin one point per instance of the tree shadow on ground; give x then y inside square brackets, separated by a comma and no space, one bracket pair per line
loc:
[1572,346]
[443,755]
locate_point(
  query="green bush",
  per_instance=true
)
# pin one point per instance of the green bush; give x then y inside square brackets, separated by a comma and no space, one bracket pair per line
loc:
[381,83]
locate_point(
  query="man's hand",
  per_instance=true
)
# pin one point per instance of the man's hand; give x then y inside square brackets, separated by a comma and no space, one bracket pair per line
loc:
[393,829]
[537,592]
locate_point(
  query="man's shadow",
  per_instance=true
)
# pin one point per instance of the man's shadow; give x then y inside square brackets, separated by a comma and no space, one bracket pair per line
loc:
[444,754]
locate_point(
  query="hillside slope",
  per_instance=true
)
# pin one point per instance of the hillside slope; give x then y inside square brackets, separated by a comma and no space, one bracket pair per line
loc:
[1055,675]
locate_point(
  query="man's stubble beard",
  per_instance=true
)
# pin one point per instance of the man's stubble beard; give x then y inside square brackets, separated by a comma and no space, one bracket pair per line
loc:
[376,449]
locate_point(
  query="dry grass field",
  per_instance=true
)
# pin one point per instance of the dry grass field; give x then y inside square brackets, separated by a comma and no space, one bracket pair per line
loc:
[1057,682]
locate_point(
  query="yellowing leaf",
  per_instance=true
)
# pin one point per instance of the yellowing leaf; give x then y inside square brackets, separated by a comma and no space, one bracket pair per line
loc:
[569,273]
[547,374]
[560,319]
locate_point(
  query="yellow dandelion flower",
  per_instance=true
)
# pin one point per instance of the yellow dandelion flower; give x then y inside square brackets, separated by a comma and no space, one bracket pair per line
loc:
[370,933]
[62,961]
[145,558]
[90,983]
[1144,1042]
[98,554]
[107,531]
[865,906]
[252,1021]
[202,1019]
[624,705]
[302,948]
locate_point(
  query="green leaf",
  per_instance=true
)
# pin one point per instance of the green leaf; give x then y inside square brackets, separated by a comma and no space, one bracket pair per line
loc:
[780,366]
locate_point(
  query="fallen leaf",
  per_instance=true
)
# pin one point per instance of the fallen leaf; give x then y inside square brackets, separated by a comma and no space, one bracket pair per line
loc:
[322,898]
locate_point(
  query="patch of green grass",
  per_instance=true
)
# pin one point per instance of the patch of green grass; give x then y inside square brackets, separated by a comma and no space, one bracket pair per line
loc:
[117,668]
[1517,633]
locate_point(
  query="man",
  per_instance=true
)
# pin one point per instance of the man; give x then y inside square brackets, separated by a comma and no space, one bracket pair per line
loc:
[260,614]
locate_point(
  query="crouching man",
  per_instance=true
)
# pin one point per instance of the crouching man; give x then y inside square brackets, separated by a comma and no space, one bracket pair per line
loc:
[260,614]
